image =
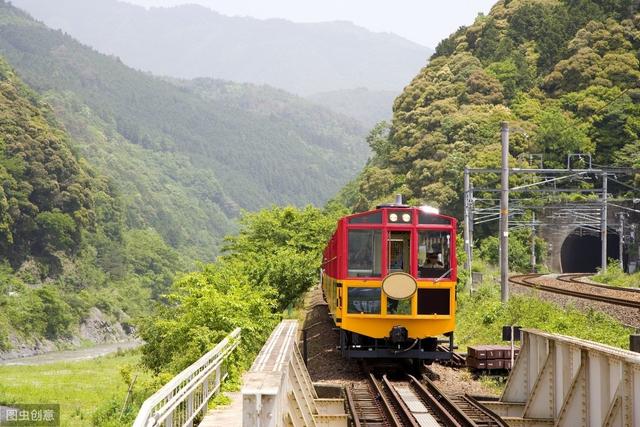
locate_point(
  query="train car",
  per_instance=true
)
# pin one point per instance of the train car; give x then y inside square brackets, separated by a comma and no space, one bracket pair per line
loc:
[389,279]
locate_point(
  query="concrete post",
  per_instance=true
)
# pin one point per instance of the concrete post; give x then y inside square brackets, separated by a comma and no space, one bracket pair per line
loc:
[504,216]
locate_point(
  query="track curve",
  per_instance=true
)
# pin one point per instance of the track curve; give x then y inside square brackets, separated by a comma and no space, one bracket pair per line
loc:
[528,281]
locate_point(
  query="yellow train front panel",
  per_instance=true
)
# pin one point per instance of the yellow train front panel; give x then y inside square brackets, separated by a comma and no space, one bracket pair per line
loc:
[362,307]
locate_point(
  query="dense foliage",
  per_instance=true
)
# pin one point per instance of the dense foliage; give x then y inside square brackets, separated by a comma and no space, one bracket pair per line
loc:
[64,242]
[481,316]
[186,159]
[565,73]
[615,276]
[267,266]
[519,250]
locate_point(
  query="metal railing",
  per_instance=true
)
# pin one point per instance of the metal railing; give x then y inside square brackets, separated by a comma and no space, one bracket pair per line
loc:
[180,401]
[566,381]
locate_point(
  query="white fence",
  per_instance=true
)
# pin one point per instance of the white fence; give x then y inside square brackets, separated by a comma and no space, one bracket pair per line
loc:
[180,401]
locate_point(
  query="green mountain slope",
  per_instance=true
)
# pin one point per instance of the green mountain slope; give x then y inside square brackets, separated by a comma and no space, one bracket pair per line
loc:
[565,73]
[67,256]
[192,41]
[185,162]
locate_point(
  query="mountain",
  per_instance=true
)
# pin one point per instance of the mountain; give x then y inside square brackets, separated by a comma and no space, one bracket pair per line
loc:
[192,41]
[186,163]
[71,269]
[565,74]
[369,107]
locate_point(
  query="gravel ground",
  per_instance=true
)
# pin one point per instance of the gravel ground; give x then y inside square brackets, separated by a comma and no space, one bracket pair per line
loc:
[550,280]
[325,362]
[626,315]
[458,381]
[327,366]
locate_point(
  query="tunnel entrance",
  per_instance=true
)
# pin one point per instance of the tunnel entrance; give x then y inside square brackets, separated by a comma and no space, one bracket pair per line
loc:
[580,253]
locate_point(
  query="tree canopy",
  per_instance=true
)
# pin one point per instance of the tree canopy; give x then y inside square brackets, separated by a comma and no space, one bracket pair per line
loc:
[565,73]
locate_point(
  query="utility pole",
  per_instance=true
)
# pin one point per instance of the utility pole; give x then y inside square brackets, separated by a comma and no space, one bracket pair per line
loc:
[467,223]
[603,224]
[504,216]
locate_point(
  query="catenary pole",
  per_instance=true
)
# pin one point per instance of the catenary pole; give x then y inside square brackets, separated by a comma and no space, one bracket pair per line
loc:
[467,222]
[603,224]
[621,242]
[533,243]
[504,216]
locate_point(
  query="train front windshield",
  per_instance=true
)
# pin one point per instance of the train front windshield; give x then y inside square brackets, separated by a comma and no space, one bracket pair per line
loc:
[376,248]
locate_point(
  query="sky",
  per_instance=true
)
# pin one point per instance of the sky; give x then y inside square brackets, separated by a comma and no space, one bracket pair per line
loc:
[423,21]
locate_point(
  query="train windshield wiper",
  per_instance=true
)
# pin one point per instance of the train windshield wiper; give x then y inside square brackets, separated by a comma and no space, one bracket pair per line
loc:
[443,274]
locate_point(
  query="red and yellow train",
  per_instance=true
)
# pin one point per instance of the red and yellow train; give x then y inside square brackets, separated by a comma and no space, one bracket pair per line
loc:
[389,278]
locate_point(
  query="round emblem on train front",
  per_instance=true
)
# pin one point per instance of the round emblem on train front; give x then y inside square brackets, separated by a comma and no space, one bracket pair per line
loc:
[399,286]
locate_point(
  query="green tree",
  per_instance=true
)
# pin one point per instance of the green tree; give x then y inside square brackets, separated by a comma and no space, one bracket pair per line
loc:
[204,307]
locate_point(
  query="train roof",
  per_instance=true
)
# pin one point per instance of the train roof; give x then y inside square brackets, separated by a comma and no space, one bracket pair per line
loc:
[422,211]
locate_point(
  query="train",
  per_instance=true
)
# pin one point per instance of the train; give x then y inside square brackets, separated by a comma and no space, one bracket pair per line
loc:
[389,279]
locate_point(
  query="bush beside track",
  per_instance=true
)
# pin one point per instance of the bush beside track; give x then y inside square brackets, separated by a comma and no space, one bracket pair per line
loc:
[615,276]
[481,317]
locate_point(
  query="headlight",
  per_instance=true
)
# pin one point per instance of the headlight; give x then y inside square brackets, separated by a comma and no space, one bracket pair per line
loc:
[406,217]
[393,217]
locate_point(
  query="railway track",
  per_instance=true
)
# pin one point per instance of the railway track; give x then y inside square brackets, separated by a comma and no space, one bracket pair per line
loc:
[406,401]
[527,280]
[574,278]
[457,360]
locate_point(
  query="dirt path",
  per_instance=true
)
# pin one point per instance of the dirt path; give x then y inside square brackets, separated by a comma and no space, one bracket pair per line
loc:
[72,355]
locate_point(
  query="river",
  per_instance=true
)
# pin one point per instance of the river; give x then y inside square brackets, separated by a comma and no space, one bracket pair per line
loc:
[72,355]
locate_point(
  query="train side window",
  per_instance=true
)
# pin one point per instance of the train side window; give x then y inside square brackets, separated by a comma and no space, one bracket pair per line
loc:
[365,253]
[434,253]
[363,300]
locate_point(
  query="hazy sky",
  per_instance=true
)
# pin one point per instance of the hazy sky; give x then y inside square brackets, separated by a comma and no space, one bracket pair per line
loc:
[423,21]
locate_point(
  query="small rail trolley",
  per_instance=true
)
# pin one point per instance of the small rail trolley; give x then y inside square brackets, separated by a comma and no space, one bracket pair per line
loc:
[389,279]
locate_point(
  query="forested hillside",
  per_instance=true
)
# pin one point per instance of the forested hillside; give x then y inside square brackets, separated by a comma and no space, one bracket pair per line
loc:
[564,73]
[67,255]
[192,41]
[186,163]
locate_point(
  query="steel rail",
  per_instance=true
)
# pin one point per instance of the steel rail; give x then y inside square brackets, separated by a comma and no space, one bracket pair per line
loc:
[463,412]
[495,418]
[387,407]
[573,278]
[454,413]
[352,407]
[526,280]
[404,411]
[435,398]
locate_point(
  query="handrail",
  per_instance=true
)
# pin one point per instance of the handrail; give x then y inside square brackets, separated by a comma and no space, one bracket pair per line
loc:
[180,400]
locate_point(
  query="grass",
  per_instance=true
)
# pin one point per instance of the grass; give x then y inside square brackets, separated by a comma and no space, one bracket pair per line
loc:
[80,387]
[615,276]
[481,315]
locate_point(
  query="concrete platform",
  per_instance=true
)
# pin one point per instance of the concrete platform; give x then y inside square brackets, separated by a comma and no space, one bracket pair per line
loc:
[225,416]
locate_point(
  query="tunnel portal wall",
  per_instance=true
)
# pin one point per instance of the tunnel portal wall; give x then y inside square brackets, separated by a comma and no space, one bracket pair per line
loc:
[582,253]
